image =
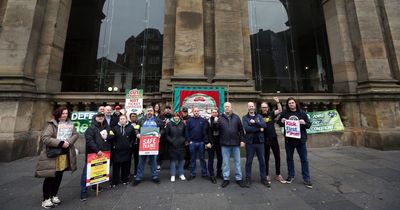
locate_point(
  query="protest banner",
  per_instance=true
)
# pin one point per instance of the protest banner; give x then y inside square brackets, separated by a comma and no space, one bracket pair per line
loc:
[203,97]
[149,141]
[292,129]
[98,168]
[134,101]
[82,120]
[325,121]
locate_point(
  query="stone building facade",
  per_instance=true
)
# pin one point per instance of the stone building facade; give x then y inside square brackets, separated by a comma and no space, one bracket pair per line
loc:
[205,43]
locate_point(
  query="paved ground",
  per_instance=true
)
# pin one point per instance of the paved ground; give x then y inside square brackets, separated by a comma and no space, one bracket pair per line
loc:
[343,178]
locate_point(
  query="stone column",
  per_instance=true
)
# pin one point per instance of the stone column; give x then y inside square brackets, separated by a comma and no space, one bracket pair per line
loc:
[229,44]
[370,54]
[189,40]
[341,51]
[169,40]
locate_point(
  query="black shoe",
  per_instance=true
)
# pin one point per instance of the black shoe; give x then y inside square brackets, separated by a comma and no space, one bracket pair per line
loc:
[213,180]
[225,183]
[156,180]
[191,178]
[308,184]
[136,182]
[84,196]
[241,183]
[248,182]
[266,183]
[289,180]
[220,177]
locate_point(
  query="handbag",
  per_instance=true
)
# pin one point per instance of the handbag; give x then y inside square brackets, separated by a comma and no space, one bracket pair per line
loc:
[53,152]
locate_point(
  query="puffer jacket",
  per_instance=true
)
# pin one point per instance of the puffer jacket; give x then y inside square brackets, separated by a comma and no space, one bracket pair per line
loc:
[122,142]
[46,167]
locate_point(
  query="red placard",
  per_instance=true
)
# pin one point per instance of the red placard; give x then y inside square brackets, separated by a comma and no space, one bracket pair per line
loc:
[149,145]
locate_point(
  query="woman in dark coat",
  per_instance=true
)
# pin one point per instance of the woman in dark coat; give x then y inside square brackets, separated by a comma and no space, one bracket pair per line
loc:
[124,137]
[175,134]
[52,168]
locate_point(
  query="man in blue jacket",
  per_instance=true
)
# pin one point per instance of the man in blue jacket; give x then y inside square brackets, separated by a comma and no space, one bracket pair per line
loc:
[231,139]
[254,126]
[294,113]
[196,134]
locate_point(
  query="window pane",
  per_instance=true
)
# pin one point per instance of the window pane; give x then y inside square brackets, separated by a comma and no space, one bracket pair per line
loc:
[289,46]
[113,45]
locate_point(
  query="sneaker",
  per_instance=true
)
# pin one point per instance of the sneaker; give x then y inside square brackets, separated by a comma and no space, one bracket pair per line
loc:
[136,182]
[172,178]
[47,204]
[269,179]
[125,183]
[84,196]
[156,181]
[55,200]
[308,184]
[225,183]
[280,179]
[266,183]
[289,180]
[158,168]
[182,177]
[113,186]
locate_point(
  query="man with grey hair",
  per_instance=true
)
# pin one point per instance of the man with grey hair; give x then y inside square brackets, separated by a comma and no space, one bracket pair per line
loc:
[231,139]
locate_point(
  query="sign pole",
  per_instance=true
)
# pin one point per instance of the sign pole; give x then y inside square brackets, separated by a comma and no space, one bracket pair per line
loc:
[97,190]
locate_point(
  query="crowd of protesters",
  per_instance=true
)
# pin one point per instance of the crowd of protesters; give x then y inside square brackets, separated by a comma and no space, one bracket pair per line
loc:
[184,138]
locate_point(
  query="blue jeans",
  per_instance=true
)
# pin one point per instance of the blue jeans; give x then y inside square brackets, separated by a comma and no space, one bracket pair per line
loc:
[226,154]
[142,163]
[252,149]
[181,163]
[197,147]
[211,152]
[302,150]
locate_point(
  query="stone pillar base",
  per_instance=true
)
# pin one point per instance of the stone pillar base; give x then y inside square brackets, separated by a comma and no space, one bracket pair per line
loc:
[382,139]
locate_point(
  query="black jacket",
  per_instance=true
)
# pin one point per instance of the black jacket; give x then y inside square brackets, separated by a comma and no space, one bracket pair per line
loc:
[175,136]
[297,115]
[122,142]
[213,131]
[94,141]
[253,135]
[230,130]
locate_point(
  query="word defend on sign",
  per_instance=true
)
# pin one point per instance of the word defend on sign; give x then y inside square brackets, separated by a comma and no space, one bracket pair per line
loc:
[149,145]
[292,129]
[98,169]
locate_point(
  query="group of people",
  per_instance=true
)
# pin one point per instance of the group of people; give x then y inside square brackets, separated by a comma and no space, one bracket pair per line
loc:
[183,137]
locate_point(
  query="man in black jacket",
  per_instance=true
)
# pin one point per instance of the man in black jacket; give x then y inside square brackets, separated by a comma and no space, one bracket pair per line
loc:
[215,147]
[254,126]
[96,142]
[298,116]
[231,139]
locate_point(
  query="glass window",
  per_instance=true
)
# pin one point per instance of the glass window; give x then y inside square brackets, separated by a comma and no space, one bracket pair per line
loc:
[107,45]
[289,46]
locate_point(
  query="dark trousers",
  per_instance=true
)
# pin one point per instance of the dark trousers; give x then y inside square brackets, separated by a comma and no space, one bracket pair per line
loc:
[51,185]
[123,169]
[302,151]
[215,149]
[135,157]
[272,144]
[251,150]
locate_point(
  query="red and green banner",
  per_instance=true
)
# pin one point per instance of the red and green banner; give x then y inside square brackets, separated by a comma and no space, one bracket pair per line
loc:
[203,97]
